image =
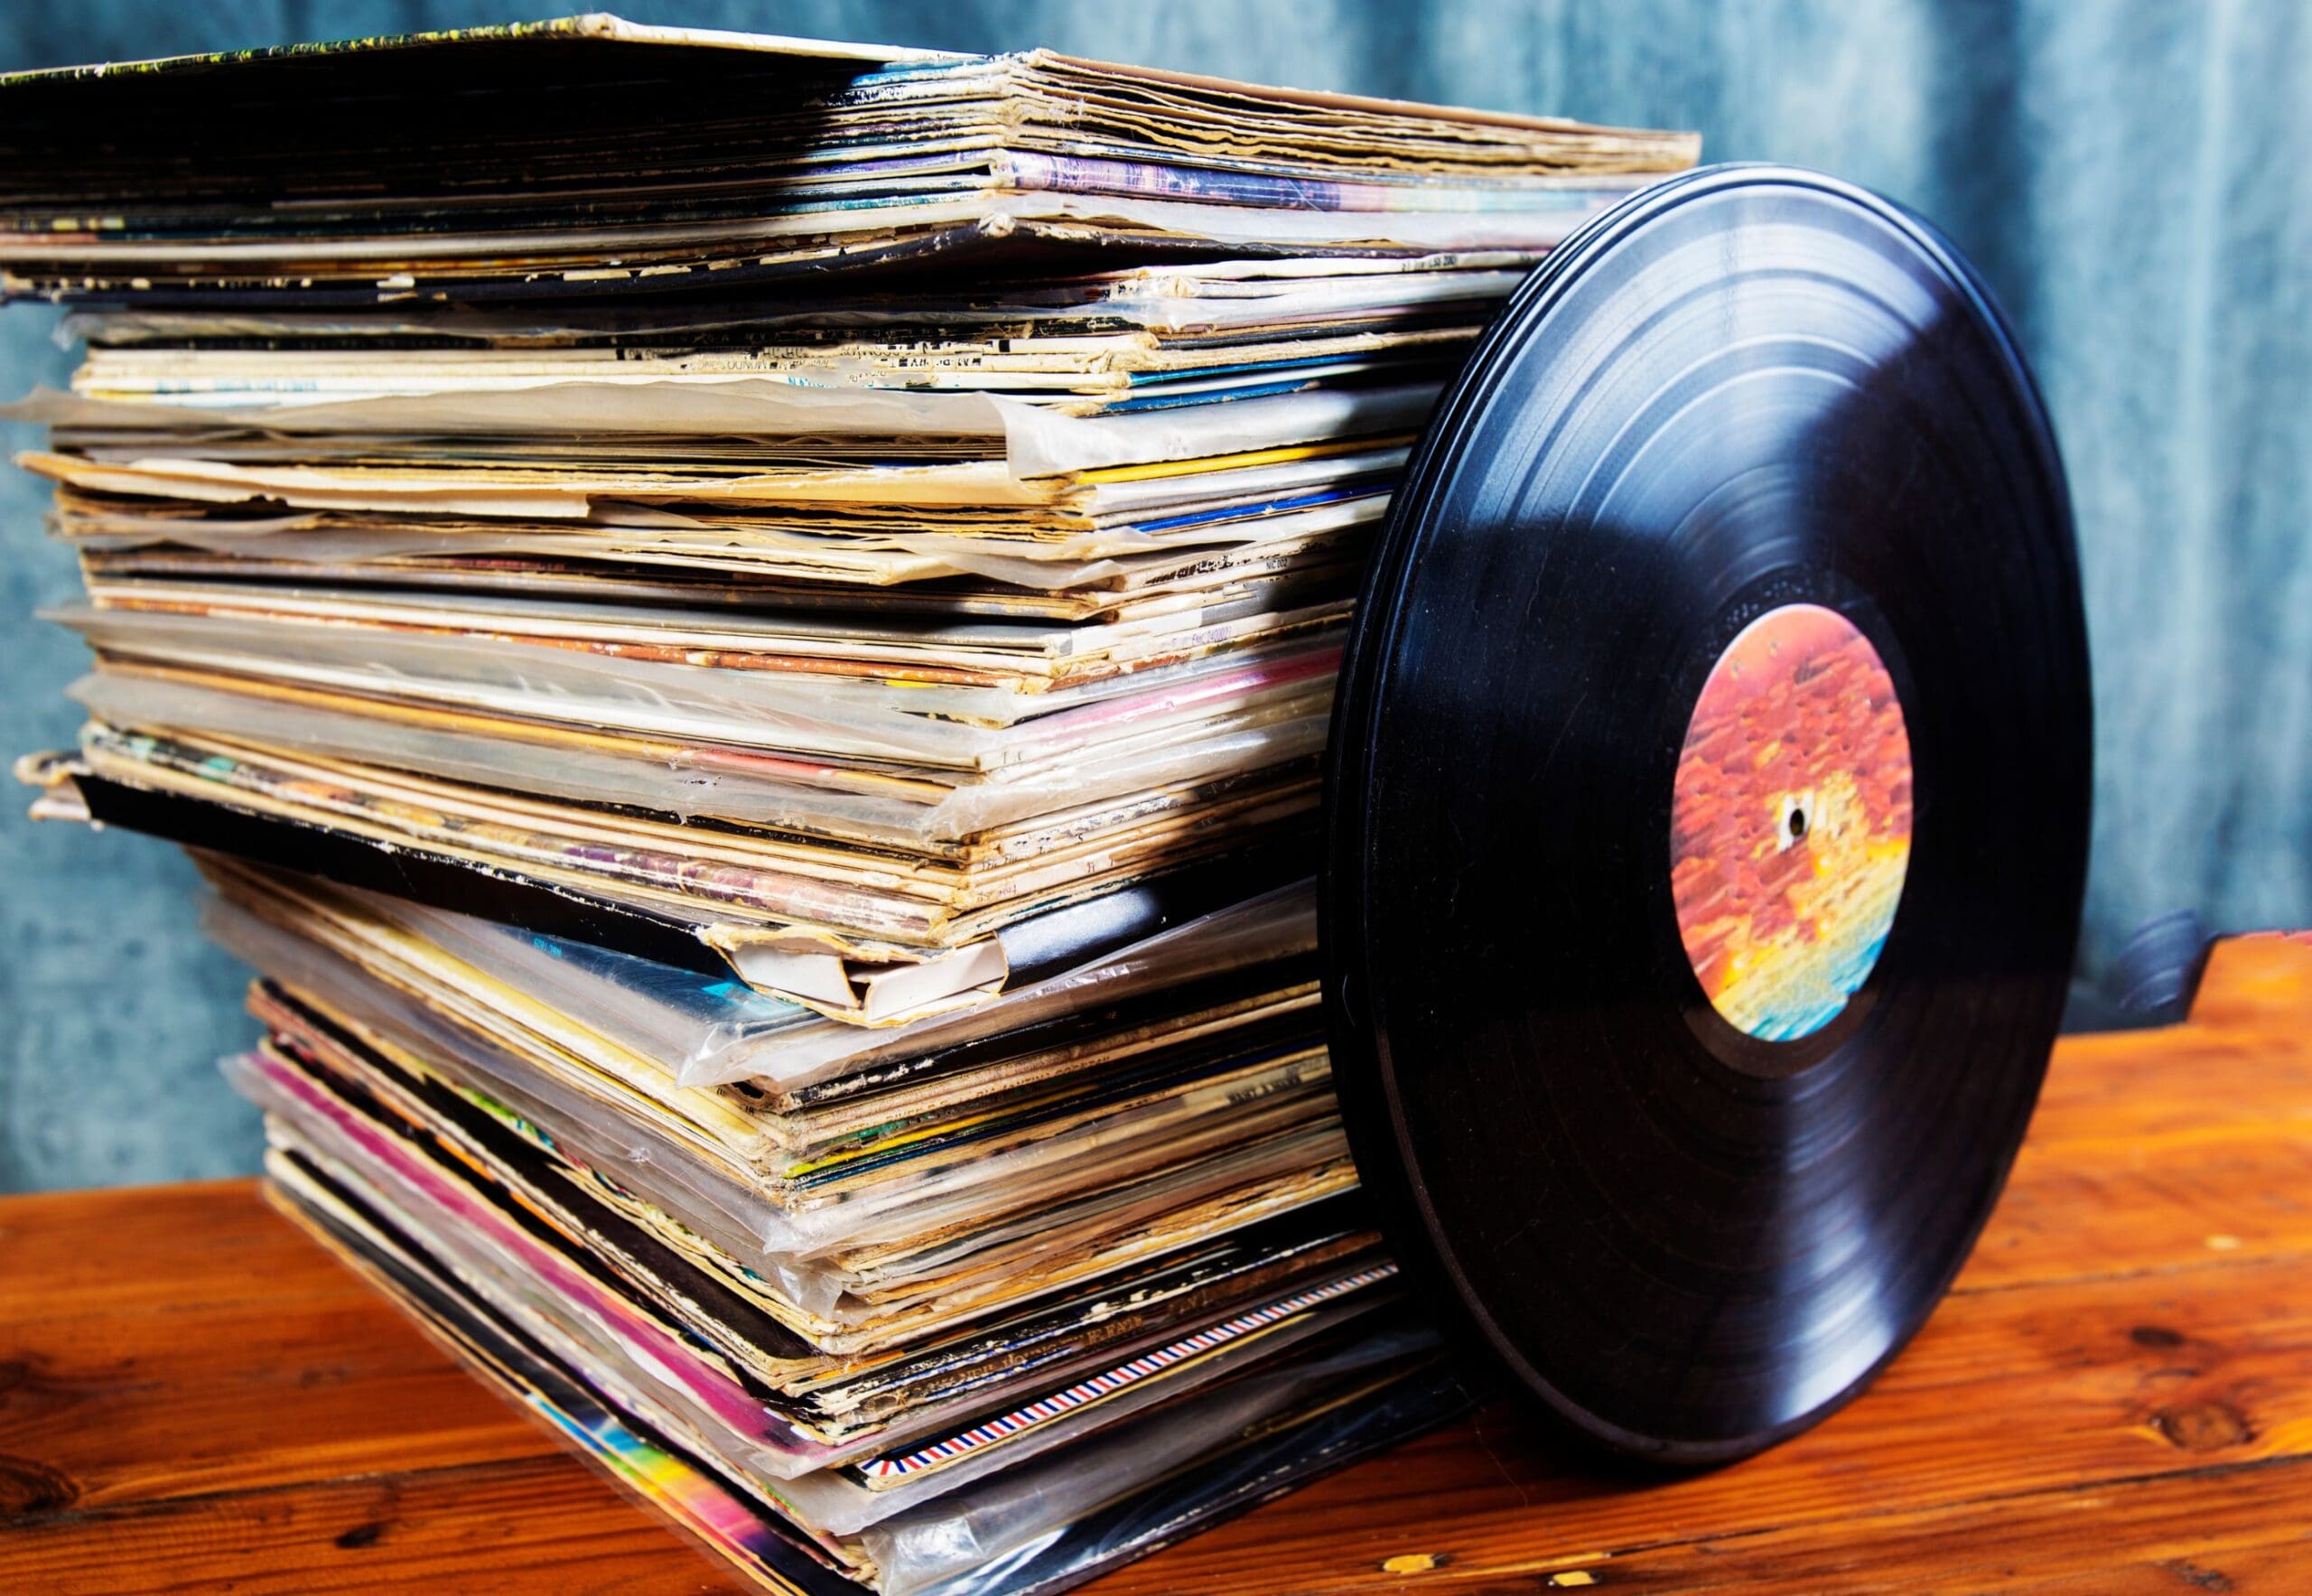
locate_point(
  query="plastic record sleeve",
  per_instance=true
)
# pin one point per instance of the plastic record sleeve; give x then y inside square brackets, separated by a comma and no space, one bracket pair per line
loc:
[1707,811]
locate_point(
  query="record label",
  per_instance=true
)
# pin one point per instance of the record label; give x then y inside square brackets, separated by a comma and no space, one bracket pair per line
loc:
[1790,825]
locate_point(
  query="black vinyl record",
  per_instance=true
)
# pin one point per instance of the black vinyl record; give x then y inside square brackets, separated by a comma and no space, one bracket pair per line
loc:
[1707,811]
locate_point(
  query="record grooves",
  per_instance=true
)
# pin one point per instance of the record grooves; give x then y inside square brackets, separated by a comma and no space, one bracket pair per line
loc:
[1707,811]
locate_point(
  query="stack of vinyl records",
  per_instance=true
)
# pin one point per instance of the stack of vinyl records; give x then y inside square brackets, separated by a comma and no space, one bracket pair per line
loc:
[744,629]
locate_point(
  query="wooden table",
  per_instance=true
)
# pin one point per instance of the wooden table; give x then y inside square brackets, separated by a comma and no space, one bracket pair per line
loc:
[2116,1397]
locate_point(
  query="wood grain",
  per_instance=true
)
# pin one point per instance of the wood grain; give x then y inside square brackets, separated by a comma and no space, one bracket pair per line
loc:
[2116,1397]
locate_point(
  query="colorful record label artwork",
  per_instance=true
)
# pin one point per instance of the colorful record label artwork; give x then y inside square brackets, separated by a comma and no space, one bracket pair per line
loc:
[1790,823]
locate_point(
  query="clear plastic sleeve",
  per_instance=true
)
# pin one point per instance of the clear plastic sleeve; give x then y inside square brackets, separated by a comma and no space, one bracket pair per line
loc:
[949,1538]
[1103,551]
[934,724]
[649,1163]
[704,782]
[715,1031]
[1150,1176]
[645,1370]
[1035,442]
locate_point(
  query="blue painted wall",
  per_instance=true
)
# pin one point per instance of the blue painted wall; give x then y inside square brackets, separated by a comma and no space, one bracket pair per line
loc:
[2134,175]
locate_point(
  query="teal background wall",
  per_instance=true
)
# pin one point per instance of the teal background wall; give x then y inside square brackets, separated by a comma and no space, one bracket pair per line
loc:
[2135,178]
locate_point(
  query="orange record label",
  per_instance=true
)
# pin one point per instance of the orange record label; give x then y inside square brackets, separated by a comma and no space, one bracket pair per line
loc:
[1790,825]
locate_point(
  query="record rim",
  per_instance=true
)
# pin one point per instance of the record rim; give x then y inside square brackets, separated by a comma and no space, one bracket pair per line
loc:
[1387,1163]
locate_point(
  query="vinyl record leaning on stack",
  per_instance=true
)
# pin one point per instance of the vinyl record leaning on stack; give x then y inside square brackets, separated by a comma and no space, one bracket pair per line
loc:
[1706,812]
[745,631]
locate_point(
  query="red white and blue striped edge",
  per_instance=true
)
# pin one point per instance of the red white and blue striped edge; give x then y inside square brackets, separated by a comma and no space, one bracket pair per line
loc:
[1110,1381]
